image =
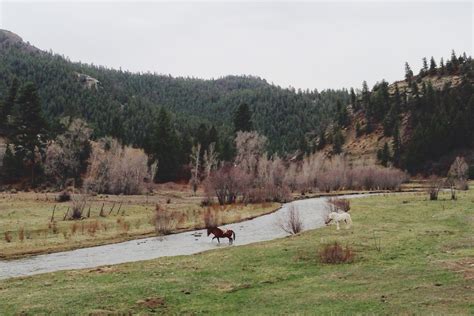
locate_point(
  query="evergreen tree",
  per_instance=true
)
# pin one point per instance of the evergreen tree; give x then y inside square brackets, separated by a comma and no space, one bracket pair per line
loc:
[29,129]
[353,98]
[342,114]
[322,139]
[8,104]
[358,129]
[11,165]
[424,68]
[243,119]
[303,146]
[165,148]
[432,66]
[408,73]
[383,155]
[396,146]
[338,141]
[442,68]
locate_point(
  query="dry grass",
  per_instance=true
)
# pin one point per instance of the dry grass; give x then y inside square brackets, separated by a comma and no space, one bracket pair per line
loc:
[32,212]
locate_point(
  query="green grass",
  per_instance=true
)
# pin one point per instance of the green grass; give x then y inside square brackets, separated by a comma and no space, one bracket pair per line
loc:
[424,266]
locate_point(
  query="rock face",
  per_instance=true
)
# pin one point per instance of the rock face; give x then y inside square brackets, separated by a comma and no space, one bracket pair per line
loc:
[88,81]
[8,38]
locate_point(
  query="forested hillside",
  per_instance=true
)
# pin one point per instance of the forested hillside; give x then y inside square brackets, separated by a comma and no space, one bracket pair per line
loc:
[419,124]
[125,105]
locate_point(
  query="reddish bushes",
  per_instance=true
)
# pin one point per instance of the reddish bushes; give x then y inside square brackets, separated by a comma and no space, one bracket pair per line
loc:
[227,184]
[336,204]
[336,254]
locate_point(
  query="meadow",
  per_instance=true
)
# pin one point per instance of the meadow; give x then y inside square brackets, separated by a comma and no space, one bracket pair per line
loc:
[27,225]
[412,256]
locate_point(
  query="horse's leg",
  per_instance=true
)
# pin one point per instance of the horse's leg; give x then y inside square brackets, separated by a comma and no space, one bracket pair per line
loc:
[337,223]
[218,240]
[213,238]
[230,240]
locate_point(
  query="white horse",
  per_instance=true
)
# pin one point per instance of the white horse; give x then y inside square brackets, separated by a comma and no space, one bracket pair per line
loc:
[339,217]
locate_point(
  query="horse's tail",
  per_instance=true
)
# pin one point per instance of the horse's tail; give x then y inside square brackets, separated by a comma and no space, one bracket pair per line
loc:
[233,234]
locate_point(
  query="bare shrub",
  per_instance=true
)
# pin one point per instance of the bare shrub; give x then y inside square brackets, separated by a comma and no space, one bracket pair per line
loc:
[64,196]
[7,236]
[250,148]
[93,227]
[67,155]
[21,234]
[211,217]
[227,184]
[336,254]
[291,223]
[457,176]
[115,169]
[338,204]
[434,186]
[79,202]
[165,221]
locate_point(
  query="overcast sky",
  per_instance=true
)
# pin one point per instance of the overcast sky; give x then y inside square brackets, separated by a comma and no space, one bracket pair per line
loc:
[304,45]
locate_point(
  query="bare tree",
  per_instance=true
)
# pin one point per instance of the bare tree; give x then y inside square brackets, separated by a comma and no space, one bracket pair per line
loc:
[195,163]
[66,157]
[434,186]
[227,184]
[210,159]
[250,148]
[457,176]
[291,223]
[115,169]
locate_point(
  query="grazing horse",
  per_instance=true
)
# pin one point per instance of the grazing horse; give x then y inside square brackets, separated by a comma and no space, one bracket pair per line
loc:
[219,233]
[339,217]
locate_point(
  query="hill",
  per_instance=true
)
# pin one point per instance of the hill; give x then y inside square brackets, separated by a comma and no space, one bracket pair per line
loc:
[125,104]
[423,122]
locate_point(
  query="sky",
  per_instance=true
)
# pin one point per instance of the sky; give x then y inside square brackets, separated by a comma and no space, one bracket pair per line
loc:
[307,45]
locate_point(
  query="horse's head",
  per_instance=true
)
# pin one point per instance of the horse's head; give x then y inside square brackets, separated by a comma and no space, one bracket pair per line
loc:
[329,218]
[209,231]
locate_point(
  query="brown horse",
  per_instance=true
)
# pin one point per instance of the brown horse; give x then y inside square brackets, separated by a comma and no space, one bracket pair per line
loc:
[219,233]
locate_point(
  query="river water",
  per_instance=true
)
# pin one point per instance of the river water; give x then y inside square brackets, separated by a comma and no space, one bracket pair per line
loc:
[311,211]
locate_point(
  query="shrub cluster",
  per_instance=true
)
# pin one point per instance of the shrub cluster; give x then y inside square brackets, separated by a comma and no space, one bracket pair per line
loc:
[336,254]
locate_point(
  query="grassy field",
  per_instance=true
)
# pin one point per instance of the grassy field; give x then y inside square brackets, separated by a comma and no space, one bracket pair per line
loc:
[26,227]
[413,256]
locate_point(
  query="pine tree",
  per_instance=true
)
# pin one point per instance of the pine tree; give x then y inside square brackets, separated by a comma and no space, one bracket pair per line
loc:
[243,119]
[353,99]
[396,146]
[29,129]
[165,148]
[442,68]
[8,104]
[322,139]
[342,114]
[303,145]
[358,129]
[338,141]
[432,66]
[424,69]
[11,165]
[383,155]
[408,73]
